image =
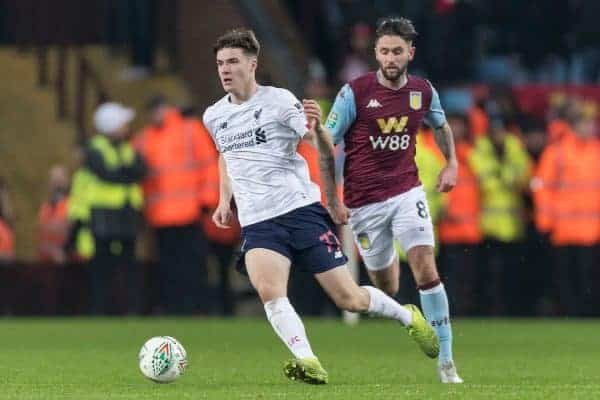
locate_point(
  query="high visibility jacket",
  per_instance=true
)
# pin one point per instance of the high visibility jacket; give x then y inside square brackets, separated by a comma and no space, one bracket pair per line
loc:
[182,171]
[460,221]
[501,182]
[53,228]
[557,129]
[105,204]
[478,121]
[78,213]
[7,242]
[311,154]
[229,236]
[566,191]
[430,162]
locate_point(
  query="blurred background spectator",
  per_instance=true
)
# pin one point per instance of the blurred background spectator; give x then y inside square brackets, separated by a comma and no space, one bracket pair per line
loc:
[519,82]
[181,185]
[7,239]
[108,199]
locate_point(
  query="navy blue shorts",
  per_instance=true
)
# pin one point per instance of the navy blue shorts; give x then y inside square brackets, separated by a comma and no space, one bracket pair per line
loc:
[306,236]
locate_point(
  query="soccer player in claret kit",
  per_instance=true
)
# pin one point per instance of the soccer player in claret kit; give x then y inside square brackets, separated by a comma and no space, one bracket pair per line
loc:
[378,115]
[257,130]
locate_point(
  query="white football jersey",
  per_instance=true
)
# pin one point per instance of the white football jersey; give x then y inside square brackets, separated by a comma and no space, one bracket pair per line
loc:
[258,140]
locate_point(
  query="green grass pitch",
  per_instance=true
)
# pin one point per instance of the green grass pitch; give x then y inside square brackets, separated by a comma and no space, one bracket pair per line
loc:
[242,359]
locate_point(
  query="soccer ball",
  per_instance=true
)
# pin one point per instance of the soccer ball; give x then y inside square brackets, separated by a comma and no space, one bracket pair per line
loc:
[162,359]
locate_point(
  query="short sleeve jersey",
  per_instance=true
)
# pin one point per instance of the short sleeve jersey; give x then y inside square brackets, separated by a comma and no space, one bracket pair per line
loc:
[378,126]
[258,140]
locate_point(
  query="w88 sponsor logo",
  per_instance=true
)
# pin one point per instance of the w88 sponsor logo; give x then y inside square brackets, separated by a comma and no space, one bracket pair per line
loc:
[395,127]
[393,143]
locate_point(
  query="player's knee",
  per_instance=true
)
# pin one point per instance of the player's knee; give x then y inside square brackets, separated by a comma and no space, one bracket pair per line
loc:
[422,263]
[390,287]
[268,291]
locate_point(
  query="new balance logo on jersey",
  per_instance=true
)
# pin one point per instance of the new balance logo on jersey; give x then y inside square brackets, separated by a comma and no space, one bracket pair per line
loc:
[222,126]
[373,103]
[260,136]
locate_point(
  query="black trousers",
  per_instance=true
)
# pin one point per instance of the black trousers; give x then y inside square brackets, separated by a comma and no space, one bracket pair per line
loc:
[499,284]
[577,275]
[111,257]
[225,300]
[182,269]
[458,270]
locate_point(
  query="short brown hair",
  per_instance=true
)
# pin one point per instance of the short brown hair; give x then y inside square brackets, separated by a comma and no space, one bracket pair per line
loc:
[238,38]
[396,26]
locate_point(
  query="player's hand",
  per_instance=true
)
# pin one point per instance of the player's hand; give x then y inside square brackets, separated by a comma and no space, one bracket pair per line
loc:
[447,178]
[339,212]
[312,110]
[222,216]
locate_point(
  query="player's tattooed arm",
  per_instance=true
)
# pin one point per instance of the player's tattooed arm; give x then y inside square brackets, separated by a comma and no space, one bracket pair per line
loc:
[445,141]
[339,212]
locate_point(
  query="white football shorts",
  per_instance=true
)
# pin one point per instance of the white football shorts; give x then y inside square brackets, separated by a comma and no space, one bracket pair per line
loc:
[404,217]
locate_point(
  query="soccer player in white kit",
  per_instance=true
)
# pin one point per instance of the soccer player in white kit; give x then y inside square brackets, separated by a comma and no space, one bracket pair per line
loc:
[257,130]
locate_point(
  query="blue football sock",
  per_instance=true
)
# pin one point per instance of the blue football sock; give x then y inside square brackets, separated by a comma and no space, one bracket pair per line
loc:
[435,308]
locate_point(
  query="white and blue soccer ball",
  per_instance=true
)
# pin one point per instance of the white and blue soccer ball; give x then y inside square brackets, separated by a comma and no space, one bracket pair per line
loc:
[162,359]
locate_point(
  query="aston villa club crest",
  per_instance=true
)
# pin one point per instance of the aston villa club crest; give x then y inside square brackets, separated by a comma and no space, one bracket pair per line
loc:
[415,100]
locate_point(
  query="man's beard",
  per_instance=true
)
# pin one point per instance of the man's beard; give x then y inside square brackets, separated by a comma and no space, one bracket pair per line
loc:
[393,77]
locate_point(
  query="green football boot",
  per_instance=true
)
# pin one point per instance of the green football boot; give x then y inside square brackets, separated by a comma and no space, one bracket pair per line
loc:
[307,370]
[423,333]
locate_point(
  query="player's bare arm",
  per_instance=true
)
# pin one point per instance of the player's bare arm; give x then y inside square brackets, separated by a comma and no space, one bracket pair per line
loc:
[336,208]
[448,175]
[222,214]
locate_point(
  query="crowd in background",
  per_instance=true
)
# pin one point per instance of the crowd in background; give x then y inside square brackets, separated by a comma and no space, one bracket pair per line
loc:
[463,41]
[519,235]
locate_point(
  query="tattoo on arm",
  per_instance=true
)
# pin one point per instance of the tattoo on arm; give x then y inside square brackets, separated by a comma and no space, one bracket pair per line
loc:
[445,141]
[326,163]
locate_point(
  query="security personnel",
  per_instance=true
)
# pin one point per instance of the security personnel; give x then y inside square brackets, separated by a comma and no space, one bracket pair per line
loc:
[566,192]
[502,167]
[182,181]
[459,230]
[106,198]
[7,236]
[52,219]
[7,243]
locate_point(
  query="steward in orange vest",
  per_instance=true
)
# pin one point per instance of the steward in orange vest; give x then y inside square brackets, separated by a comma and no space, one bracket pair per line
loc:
[566,192]
[180,184]
[459,227]
[53,224]
[7,243]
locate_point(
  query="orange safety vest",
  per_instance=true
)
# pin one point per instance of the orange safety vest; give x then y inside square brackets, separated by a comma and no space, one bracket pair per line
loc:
[557,129]
[182,171]
[311,154]
[478,121]
[7,241]
[229,236]
[566,191]
[460,222]
[53,228]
